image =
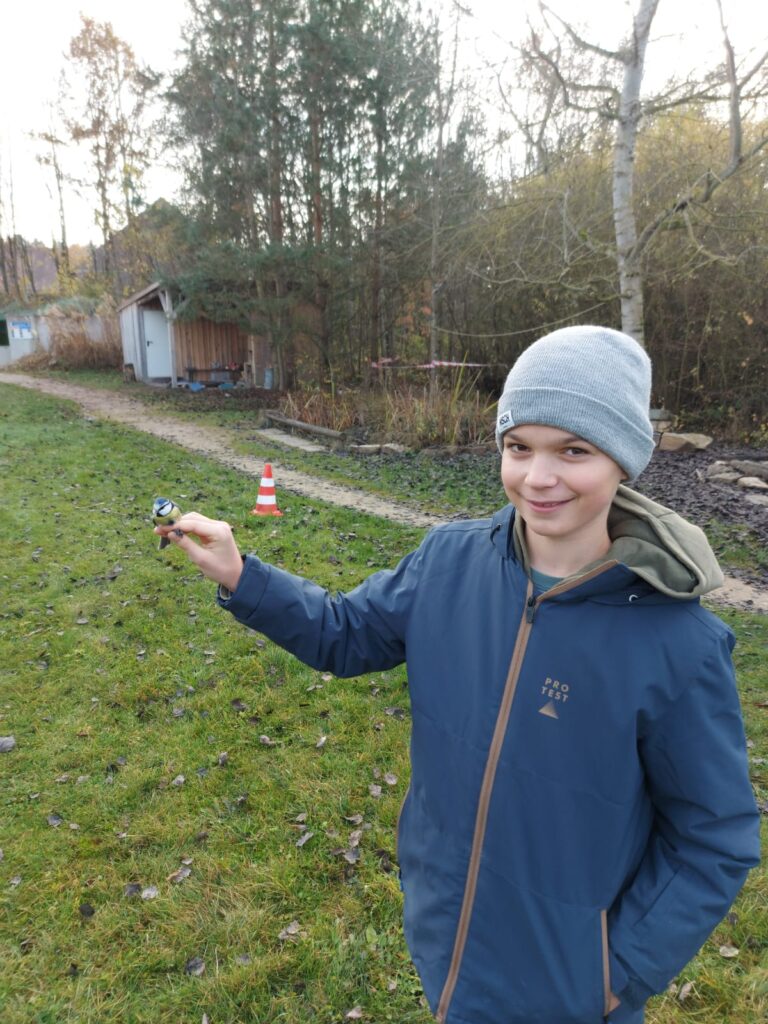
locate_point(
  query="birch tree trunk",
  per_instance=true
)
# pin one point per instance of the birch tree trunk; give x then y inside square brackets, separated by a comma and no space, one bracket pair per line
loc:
[434,260]
[627,254]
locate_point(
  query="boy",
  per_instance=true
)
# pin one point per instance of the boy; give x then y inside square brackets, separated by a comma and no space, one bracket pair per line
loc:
[579,816]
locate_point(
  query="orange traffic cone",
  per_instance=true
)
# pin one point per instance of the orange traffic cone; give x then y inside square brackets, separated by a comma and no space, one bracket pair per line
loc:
[266,502]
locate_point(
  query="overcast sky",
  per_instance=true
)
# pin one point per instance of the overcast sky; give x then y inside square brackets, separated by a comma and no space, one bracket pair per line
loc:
[37,33]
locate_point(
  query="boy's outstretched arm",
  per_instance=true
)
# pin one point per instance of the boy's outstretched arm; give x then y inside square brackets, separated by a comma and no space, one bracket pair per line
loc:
[347,633]
[706,834]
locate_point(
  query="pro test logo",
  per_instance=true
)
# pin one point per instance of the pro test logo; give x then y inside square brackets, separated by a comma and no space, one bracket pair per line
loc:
[557,693]
[504,421]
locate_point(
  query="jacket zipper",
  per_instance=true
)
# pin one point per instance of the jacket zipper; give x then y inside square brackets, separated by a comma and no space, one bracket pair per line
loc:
[606,962]
[486,789]
[484,800]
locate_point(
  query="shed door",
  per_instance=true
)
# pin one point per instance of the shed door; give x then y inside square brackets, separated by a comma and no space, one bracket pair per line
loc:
[158,343]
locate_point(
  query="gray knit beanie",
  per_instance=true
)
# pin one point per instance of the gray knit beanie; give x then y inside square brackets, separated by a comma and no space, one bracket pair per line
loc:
[592,381]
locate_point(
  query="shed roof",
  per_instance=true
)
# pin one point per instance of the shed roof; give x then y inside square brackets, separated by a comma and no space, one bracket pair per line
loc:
[145,293]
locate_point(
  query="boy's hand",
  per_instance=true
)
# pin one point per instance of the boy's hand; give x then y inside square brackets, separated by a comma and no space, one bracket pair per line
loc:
[214,552]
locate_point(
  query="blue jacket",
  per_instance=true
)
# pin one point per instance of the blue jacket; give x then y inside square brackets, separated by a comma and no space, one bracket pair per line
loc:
[579,816]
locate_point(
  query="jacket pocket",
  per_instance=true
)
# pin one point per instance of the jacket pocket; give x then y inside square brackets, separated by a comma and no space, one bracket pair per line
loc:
[606,962]
[530,959]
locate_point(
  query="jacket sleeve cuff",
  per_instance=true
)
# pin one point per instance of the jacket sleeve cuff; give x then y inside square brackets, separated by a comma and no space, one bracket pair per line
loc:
[629,991]
[244,600]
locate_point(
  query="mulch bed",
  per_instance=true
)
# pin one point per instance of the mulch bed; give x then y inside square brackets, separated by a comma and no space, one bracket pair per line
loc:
[677,480]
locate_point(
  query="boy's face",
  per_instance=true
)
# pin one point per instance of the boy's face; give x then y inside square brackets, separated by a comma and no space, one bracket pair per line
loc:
[561,485]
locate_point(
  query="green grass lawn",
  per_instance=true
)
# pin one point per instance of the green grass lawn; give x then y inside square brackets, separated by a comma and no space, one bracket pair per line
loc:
[169,765]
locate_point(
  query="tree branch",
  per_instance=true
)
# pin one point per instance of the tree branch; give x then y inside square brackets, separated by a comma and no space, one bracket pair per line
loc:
[582,43]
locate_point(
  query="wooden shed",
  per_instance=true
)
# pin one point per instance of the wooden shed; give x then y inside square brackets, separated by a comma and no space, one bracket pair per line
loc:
[163,349]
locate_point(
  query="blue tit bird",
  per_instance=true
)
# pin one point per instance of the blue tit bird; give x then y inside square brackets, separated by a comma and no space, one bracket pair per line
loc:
[165,513]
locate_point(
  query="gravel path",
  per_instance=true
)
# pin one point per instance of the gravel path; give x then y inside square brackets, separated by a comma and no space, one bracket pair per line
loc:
[671,479]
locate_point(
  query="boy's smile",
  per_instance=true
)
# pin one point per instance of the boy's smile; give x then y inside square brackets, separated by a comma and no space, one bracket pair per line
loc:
[562,487]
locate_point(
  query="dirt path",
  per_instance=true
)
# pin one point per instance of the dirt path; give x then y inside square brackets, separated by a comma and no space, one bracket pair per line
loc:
[217,443]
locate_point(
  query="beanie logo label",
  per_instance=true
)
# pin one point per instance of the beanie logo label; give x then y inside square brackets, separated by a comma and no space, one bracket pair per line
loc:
[504,421]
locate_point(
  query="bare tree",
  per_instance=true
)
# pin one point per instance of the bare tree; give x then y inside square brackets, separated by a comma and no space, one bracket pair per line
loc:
[109,123]
[613,93]
[60,247]
[445,94]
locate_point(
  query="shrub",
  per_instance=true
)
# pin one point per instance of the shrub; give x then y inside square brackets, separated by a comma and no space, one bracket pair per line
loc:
[405,413]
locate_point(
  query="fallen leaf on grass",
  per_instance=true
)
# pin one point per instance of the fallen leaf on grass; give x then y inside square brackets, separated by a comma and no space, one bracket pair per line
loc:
[352,856]
[195,967]
[385,861]
[238,705]
[243,959]
[729,952]
[7,743]
[290,933]
[390,778]
[355,837]
[179,875]
[132,889]
[54,820]
[395,712]
[685,991]
[267,742]
[326,677]
[13,882]
[355,1013]
[178,781]
[321,742]
[301,818]
[223,759]
[62,778]
[304,838]
[86,910]
[150,892]
[354,819]
[374,790]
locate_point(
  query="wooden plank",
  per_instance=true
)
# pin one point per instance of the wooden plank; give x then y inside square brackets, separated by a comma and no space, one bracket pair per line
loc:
[276,417]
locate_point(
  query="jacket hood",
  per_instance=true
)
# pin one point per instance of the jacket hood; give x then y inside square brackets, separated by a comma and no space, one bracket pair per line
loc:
[661,547]
[655,543]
